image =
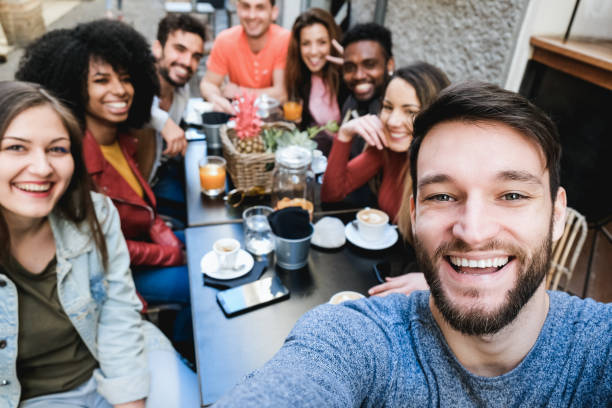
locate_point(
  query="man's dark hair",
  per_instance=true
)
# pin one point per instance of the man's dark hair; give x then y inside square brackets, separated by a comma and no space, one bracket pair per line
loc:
[370,32]
[179,21]
[59,60]
[478,102]
[272,2]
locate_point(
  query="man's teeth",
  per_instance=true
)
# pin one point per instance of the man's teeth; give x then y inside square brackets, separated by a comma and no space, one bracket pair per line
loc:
[117,105]
[398,135]
[34,187]
[479,263]
[363,87]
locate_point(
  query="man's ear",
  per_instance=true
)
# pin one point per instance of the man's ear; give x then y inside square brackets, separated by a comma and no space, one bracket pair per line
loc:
[412,214]
[559,214]
[274,13]
[391,65]
[157,49]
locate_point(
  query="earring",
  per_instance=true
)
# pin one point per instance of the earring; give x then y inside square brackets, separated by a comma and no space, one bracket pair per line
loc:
[390,73]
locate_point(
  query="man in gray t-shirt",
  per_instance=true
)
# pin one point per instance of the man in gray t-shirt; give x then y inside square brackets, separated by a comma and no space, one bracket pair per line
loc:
[487,206]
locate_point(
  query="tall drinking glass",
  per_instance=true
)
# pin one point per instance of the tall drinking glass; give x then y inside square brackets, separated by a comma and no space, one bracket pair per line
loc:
[212,175]
[257,233]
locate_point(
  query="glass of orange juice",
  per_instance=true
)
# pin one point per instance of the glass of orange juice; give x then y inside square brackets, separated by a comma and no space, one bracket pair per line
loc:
[292,109]
[212,175]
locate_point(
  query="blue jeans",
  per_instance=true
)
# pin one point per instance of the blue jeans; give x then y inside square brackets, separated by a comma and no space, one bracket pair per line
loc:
[169,189]
[173,385]
[170,284]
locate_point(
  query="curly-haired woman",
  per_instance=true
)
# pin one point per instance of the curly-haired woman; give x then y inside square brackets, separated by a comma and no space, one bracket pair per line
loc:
[104,71]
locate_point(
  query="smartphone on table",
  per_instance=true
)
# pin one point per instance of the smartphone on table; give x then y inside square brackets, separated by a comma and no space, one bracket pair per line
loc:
[251,296]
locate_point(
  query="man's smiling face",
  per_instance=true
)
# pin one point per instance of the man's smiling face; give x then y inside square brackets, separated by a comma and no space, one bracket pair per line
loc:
[365,69]
[179,57]
[483,222]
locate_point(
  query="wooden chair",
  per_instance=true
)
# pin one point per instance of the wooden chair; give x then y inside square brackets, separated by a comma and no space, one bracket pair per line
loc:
[566,250]
[146,150]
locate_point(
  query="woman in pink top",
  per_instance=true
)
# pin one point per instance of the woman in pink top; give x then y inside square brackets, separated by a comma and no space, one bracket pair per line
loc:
[388,137]
[308,73]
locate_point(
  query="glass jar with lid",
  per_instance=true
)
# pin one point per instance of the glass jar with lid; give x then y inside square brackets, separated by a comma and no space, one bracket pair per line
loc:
[268,108]
[293,181]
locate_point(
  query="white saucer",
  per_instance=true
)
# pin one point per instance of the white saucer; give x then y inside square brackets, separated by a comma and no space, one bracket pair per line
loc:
[210,266]
[388,239]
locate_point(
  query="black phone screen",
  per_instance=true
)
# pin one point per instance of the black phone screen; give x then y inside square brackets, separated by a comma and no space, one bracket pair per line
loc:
[252,295]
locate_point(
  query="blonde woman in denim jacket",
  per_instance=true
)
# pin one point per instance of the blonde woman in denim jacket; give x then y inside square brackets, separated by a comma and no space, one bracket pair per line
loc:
[68,307]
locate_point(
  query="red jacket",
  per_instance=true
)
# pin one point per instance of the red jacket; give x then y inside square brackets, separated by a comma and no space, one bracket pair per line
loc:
[343,176]
[150,241]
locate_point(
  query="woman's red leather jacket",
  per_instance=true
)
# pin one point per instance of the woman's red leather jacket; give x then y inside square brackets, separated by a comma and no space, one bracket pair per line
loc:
[150,241]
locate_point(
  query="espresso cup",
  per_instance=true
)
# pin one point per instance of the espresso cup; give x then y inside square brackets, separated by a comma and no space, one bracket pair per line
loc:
[226,250]
[344,296]
[372,224]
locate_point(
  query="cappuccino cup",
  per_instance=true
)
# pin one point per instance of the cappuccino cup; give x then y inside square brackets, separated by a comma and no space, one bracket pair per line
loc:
[226,250]
[344,296]
[372,224]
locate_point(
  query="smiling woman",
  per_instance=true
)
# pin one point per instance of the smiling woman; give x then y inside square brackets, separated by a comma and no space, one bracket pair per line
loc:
[36,167]
[105,71]
[53,280]
[309,75]
[388,138]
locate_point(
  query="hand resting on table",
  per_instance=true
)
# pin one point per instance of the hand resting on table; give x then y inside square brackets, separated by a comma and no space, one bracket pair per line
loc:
[405,284]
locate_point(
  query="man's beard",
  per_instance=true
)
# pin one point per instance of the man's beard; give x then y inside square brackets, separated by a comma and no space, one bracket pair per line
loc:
[165,73]
[475,321]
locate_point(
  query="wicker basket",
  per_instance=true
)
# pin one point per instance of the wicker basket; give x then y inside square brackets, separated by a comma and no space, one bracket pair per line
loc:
[21,20]
[249,169]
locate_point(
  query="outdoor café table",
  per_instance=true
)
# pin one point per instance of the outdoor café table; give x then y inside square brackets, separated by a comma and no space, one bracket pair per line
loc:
[229,348]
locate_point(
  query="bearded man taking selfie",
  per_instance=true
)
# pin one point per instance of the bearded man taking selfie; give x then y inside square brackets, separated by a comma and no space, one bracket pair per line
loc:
[487,206]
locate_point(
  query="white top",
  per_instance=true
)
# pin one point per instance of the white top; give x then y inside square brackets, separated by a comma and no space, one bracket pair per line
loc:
[159,117]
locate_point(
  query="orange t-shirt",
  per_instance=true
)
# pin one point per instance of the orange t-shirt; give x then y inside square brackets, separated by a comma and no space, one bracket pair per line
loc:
[232,56]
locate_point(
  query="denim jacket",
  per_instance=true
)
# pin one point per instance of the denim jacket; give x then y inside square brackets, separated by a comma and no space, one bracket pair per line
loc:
[102,306]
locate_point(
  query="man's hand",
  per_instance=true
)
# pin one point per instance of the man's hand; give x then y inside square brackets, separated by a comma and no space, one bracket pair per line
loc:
[368,127]
[175,139]
[221,104]
[133,404]
[231,90]
[210,88]
[405,284]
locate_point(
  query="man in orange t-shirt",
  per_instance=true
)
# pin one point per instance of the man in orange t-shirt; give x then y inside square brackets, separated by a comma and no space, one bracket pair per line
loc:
[252,56]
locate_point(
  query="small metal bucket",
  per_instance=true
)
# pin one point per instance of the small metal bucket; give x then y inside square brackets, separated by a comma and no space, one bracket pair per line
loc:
[292,253]
[211,122]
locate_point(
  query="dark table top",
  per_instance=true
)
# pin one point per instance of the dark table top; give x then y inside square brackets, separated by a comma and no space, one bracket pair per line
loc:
[201,209]
[229,348]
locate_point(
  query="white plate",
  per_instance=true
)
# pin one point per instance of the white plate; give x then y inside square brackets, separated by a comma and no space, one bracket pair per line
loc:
[388,239]
[210,266]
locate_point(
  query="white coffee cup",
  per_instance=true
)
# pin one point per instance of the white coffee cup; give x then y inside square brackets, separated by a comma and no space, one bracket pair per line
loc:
[344,296]
[372,224]
[226,250]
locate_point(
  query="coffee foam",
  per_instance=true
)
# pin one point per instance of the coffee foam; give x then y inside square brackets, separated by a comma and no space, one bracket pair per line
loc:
[372,216]
[344,296]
